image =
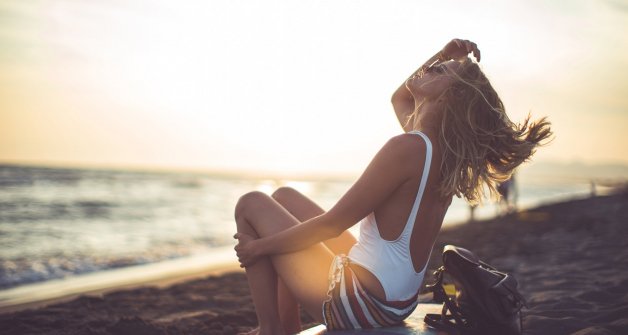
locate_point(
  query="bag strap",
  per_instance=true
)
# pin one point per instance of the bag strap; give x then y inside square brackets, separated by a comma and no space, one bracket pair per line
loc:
[453,321]
[444,323]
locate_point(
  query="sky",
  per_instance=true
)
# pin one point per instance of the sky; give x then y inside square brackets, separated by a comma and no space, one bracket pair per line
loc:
[290,86]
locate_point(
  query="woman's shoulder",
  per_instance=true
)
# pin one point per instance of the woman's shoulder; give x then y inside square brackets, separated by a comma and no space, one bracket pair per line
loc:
[407,148]
[408,142]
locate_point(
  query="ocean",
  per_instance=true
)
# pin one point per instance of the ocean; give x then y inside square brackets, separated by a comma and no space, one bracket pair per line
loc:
[62,222]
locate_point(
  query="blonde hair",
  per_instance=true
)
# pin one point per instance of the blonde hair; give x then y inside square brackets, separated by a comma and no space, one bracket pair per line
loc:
[480,145]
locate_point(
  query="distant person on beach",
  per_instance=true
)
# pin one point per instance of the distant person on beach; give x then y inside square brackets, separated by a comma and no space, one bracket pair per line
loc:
[457,138]
[472,208]
[508,195]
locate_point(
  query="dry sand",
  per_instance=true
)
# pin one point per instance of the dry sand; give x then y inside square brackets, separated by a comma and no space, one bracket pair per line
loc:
[571,261]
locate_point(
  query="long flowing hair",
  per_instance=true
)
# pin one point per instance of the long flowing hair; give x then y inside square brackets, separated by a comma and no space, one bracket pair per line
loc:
[481,145]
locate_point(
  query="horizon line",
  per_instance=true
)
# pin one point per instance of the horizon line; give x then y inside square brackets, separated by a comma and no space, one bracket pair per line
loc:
[237,172]
[221,172]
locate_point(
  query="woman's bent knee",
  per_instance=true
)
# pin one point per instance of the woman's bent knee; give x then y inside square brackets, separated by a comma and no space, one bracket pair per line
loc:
[249,201]
[284,193]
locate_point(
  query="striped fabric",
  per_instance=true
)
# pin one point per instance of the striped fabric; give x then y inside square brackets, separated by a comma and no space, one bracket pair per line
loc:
[348,306]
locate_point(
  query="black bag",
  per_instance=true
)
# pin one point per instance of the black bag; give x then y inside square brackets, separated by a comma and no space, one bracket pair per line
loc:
[486,300]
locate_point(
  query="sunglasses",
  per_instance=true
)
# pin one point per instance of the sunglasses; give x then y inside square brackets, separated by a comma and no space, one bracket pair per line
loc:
[440,69]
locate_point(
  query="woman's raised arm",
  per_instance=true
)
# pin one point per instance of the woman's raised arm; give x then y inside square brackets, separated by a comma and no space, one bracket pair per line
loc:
[402,100]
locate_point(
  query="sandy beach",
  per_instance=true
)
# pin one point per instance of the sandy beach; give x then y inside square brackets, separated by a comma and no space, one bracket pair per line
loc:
[570,259]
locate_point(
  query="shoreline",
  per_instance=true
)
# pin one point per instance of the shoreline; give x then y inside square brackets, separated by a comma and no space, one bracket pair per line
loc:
[569,259]
[161,274]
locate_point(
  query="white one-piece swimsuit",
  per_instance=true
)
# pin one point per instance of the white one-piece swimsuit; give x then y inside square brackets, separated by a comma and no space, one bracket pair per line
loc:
[390,261]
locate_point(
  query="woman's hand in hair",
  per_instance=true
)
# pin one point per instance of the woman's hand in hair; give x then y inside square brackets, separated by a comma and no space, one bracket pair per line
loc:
[247,249]
[457,49]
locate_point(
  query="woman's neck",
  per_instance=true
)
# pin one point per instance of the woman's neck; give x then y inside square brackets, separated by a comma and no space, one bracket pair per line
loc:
[428,118]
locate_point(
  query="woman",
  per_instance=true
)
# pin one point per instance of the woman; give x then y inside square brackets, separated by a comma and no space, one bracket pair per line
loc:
[458,141]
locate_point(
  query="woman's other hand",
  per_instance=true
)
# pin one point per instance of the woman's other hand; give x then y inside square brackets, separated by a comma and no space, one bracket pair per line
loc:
[247,249]
[458,48]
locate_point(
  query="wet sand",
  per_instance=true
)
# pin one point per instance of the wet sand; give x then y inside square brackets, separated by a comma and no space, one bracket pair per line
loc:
[570,258]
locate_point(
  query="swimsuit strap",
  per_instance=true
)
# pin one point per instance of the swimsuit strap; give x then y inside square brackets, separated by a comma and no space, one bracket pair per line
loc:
[426,171]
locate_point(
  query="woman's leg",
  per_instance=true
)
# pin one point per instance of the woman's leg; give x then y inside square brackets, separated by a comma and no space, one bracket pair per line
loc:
[262,280]
[303,209]
[304,272]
